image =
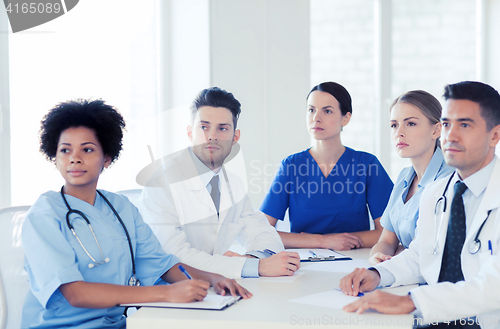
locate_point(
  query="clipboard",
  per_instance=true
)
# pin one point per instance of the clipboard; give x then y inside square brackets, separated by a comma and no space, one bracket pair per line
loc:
[318,255]
[212,302]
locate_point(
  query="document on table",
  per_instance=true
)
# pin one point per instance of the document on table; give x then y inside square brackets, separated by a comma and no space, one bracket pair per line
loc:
[211,302]
[315,255]
[338,267]
[331,299]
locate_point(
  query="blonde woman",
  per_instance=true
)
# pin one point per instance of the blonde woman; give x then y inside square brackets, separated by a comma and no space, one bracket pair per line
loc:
[415,131]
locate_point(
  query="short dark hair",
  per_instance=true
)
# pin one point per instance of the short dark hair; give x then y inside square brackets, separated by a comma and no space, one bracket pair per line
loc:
[103,119]
[485,95]
[216,97]
[339,92]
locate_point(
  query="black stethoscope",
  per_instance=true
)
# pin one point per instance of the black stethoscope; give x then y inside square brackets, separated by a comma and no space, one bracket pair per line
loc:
[133,281]
[476,244]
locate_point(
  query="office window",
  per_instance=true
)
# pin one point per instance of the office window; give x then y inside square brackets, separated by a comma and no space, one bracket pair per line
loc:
[108,51]
[433,44]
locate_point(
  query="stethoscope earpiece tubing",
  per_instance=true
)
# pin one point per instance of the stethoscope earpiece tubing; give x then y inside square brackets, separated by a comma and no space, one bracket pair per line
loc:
[476,243]
[70,211]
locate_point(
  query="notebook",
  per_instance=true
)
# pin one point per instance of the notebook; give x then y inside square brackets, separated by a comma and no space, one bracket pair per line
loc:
[211,302]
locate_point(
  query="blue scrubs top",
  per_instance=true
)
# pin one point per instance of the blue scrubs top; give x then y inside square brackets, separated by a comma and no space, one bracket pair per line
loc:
[335,204]
[400,217]
[54,257]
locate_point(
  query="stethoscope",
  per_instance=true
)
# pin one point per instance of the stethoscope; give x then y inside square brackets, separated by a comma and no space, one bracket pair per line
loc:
[133,281]
[440,207]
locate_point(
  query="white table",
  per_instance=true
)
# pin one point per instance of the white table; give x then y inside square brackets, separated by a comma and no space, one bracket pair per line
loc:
[270,308]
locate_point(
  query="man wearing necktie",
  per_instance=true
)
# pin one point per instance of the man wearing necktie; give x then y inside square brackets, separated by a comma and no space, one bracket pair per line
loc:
[198,209]
[463,283]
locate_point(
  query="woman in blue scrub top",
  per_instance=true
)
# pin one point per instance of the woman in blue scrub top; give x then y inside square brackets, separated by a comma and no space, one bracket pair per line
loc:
[415,125]
[328,189]
[79,280]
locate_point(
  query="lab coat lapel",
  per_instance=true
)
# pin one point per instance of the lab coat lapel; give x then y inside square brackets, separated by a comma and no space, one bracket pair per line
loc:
[225,200]
[443,227]
[490,201]
[195,184]
[200,191]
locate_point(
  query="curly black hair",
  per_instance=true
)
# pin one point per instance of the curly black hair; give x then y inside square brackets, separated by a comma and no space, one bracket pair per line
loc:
[104,119]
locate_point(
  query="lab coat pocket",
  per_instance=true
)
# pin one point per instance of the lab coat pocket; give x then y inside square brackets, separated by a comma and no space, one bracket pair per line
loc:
[484,257]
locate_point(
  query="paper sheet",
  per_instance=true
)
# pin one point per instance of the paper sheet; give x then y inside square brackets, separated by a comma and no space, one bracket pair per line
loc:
[331,299]
[341,266]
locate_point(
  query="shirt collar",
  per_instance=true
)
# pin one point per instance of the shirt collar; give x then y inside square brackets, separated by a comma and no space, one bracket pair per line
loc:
[409,177]
[430,172]
[478,181]
[433,168]
[206,174]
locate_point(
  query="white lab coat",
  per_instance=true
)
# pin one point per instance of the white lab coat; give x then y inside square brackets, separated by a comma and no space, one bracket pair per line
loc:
[182,215]
[479,294]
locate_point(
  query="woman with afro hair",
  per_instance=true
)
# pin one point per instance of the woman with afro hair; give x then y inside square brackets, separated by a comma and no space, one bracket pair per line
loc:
[80,242]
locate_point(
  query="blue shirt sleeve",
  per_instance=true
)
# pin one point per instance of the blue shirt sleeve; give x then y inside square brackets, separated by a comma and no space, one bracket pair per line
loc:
[378,189]
[277,199]
[385,221]
[52,261]
[250,268]
[397,192]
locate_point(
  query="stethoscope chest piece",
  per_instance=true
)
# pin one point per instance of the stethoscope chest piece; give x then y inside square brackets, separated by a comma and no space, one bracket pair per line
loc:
[474,246]
[133,281]
[92,265]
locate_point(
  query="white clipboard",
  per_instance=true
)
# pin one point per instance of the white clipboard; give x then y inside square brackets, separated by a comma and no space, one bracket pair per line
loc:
[318,255]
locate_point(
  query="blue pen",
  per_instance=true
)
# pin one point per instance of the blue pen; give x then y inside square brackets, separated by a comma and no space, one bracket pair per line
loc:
[269,251]
[313,254]
[490,247]
[360,294]
[183,270]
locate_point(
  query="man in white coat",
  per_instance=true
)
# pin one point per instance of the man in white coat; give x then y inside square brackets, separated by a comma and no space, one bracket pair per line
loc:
[197,208]
[459,262]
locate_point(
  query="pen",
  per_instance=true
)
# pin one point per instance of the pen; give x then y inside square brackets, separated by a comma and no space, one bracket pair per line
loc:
[183,270]
[269,251]
[490,248]
[313,254]
[360,294]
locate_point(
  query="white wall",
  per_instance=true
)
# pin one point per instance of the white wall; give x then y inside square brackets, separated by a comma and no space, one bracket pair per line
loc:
[259,50]
[433,44]
[492,43]
[5,181]
[269,54]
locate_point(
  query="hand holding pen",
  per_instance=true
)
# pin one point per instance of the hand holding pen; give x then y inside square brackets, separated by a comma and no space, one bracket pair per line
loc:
[221,284]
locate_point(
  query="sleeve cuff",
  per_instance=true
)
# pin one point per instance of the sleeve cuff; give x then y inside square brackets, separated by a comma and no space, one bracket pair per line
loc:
[417,313]
[250,268]
[386,277]
[48,296]
[260,253]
